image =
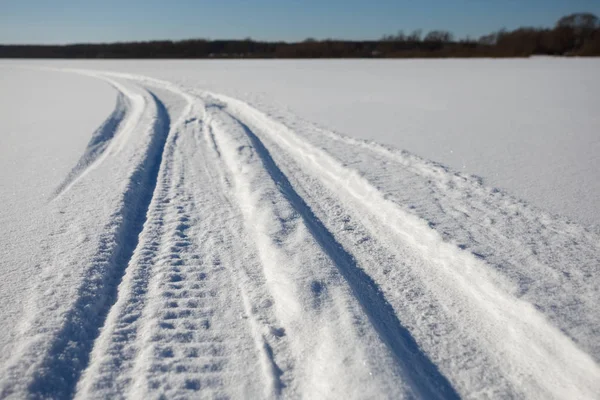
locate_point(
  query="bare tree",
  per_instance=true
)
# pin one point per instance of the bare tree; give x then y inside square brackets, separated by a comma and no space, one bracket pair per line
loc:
[399,37]
[415,36]
[439,37]
[579,22]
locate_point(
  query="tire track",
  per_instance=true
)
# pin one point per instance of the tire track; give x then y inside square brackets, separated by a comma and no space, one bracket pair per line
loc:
[240,251]
[184,353]
[244,268]
[69,352]
[518,240]
[268,339]
[175,331]
[315,289]
[184,318]
[480,303]
[115,350]
[422,374]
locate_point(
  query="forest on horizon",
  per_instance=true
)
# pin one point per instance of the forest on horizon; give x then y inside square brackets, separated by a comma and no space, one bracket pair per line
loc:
[573,35]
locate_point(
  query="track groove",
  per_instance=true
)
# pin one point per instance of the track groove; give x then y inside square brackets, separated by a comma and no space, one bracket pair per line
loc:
[70,351]
[443,281]
[424,376]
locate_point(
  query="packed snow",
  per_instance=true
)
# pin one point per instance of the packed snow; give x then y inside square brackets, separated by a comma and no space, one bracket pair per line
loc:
[322,229]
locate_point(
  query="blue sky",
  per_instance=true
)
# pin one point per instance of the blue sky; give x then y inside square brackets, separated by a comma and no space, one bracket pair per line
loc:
[69,21]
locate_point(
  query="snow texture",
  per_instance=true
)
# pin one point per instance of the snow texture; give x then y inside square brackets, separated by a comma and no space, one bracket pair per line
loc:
[204,244]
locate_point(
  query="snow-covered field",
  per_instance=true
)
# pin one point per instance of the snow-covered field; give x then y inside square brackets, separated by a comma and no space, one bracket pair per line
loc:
[230,229]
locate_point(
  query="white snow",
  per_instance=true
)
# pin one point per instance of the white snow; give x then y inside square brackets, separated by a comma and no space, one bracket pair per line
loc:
[196,234]
[46,120]
[529,126]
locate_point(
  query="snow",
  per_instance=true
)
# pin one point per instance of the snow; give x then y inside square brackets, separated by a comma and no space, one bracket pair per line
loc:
[47,118]
[528,126]
[205,232]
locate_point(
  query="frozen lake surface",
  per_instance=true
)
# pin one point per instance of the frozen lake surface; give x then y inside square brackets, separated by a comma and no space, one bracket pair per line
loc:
[529,126]
[320,229]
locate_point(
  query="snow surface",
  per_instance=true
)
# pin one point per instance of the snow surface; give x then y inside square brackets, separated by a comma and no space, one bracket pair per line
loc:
[201,240]
[528,126]
[47,119]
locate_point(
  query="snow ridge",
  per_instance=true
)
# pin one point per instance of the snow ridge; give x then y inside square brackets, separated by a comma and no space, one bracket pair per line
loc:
[68,351]
[124,118]
[424,376]
[97,295]
[476,291]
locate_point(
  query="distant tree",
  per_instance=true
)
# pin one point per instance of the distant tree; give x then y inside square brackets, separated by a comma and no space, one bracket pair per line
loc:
[415,36]
[522,42]
[439,37]
[489,40]
[573,35]
[579,22]
[398,37]
[578,28]
[591,47]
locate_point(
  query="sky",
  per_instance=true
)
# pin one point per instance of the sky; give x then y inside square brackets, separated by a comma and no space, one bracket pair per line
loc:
[77,21]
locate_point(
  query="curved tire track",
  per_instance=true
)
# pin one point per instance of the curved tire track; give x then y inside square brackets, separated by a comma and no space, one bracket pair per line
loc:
[68,354]
[481,303]
[422,374]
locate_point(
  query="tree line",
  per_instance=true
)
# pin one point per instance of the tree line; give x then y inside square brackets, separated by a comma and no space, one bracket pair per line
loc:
[573,35]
